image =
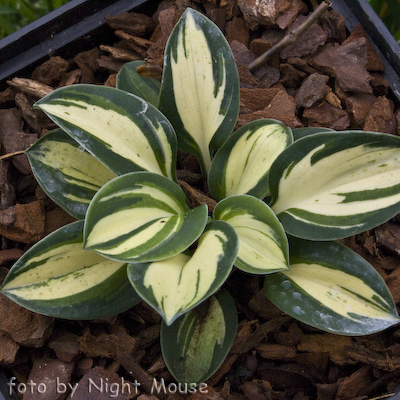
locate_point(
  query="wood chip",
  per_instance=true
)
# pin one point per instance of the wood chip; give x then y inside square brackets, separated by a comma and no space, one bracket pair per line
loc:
[276,351]
[134,39]
[196,197]
[353,385]
[121,54]
[34,88]
[333,344]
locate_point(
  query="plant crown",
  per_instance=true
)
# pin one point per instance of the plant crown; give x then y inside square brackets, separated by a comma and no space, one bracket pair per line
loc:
[283,199]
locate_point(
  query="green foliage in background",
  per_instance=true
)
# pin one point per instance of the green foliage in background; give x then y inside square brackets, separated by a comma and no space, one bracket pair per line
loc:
[14,14]
[388,11]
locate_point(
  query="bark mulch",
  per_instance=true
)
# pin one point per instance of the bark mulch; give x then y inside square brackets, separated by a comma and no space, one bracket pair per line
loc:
[327,78]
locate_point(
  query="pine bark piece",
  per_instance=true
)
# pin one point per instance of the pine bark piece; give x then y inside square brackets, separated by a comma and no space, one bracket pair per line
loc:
[31,87]
[288,11]
[276,351]
[282,107]
[7,186]
[23,222]
[50,72]
[254,339]
[166,22]
[8,349]
[30,115]
[290,76]
[381,117]
[121,54]
[290,337]
[347,63]
[312,90]
[107,345]
[268,13]
[133,23]
[258,13]
[237,30]
[25,327]
[370,353]
[10,255]
[13,138]
[252,100]
[262,306]
[359,107]
[354,384]
[334,25]
[258,390]
[374,62]
[325,114]
[388,237]
[49,379]
[66,346]
[88,64]
[333,344]
[136,371]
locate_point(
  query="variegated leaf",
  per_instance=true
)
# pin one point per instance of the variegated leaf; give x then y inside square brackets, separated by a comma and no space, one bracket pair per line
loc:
[129,80]
[263,245]
[200,86]
[57,277]
[196,344]
[176,285]
[121,130]
[242,164]
[332,288]
[69,175]
[332,185]
[141,217]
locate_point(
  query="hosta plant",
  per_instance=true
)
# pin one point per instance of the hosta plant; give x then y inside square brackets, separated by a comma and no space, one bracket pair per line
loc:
[284,198]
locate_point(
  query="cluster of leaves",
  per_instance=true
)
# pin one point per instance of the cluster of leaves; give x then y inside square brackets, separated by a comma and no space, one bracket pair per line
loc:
[14,14]
[283,199]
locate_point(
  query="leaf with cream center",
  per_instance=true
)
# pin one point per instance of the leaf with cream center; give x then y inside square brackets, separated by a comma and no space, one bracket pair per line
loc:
[57,277]
[196,344]
[332,288]
[263,245]
[200,86]
[140,217]
[121,130]
[332,185]
[175,285]
[66,172]
[242,164]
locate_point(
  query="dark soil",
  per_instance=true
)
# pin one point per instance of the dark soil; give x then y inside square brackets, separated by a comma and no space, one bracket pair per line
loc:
[327,78]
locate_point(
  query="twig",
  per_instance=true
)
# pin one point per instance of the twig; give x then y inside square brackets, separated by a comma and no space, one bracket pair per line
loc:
[9,155]
[291,37]
[384,396]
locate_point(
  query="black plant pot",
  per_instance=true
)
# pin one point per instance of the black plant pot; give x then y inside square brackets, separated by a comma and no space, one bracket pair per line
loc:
[77,26]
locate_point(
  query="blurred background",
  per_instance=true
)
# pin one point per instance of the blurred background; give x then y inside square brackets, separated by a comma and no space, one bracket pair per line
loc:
[389,11]
[14,14]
